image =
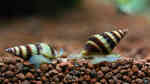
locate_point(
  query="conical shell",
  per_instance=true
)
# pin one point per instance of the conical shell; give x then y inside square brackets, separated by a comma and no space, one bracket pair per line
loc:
[103,43]
[26,51]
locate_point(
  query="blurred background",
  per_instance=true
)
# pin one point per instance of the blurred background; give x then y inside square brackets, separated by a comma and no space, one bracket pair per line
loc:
[68,23]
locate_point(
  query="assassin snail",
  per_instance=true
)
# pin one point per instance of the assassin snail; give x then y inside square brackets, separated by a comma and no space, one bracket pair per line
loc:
[36,53]
[101,45]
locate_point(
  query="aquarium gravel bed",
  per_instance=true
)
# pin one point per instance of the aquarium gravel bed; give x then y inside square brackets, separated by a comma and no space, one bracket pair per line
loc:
[124,71]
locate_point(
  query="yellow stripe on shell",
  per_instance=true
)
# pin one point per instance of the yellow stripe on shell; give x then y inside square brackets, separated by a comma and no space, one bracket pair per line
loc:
[17,50]
[33,49]
[112,37]
[93,43]
[84,52]
[46,50]
[117,34]
[121,31]
[24,51]
[104,41]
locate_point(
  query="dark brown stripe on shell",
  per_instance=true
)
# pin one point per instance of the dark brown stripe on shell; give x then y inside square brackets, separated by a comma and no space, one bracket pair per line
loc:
[29,51]
[38,48]
[91,48]
[121,33]
[116,37]
[14,51]
[100,44]
[20,52]
[52,50]
[109,40]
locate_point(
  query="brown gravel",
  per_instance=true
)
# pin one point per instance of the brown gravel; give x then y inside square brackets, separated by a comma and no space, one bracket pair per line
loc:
[125,71]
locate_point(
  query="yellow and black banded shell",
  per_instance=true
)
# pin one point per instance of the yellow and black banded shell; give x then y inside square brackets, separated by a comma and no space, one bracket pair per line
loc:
[26,51]
[103,43]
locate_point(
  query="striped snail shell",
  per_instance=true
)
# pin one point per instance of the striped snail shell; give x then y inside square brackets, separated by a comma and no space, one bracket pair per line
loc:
[103,43]
[26,51]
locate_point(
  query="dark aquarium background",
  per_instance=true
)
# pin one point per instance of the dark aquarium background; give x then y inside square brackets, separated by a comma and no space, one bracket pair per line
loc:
[22,8]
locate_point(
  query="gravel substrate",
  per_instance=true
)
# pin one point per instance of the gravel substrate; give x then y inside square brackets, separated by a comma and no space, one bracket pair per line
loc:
[75,72]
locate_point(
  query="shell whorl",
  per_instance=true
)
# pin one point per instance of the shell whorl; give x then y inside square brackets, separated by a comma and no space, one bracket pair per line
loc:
[104,43]
[26,51]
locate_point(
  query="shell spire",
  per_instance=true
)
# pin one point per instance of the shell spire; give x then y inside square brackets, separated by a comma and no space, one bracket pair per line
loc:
[103,43]
[26,51]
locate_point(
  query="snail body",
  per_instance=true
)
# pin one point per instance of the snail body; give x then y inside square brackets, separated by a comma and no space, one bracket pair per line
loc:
[101,45]
[36,53]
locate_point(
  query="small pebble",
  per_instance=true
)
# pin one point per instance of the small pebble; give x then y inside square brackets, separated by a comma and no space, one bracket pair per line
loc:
[103,81]
[29,76]
[20,76]
[11,67]
[6,81]
[44,67]
[9,74]
[26,82]
[43,78]
[108,75]
[92,81]
[135,68]
[139,81]
[100,74]
[111,81]
[105,69]
[126,78]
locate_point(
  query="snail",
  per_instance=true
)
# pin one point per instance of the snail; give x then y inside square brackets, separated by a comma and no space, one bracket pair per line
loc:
[37,53]
[99,46]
